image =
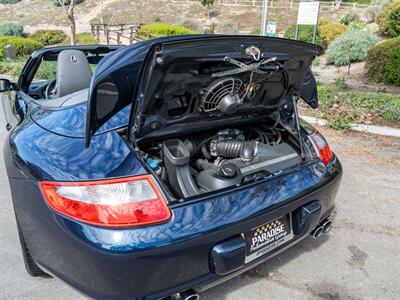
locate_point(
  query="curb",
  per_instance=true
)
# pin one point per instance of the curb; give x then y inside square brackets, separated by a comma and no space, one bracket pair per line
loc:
[374,129]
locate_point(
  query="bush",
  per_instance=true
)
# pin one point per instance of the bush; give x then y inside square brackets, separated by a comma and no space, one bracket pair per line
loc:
[9,1]
[192,25]
[49,37]
[10,29]
[227,27]
[377,63]
[65,2]
[394,21]
[156,30]
[86,38]
[392,67]
[23,46]
[351,46]
[331,31]
[389,19]
[351,16]
[357,24]
[305,34]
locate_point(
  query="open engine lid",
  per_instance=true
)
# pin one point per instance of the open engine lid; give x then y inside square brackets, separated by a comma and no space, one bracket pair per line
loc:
[173,80]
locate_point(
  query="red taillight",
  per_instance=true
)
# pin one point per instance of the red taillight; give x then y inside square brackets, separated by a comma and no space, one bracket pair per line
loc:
[132,201]
[322,147]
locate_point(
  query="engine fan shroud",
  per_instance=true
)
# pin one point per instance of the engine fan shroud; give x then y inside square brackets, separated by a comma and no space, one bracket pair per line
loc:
[213,95]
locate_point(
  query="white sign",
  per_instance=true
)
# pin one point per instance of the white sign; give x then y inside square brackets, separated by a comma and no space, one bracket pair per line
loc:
[308,13]
[271,29]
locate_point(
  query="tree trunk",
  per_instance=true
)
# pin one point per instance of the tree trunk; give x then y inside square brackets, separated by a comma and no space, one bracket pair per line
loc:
[71,18]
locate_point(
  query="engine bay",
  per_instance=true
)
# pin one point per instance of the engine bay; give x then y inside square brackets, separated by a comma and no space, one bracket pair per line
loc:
[210,161]
[196,90]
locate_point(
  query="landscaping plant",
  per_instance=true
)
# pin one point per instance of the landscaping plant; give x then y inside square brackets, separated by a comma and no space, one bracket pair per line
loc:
[389,19]
[349,17]
[382,62]
[351,46]
[9,1]
[331,31]
[10,29]
[65,2]
[305,34]
[155,30]
[23,46]
[49,37]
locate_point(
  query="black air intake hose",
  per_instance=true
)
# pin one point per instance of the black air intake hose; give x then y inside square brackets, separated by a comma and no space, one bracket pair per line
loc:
[234,148]
[228,148]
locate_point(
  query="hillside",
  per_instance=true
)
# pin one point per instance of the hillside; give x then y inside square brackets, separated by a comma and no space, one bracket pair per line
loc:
[42,13]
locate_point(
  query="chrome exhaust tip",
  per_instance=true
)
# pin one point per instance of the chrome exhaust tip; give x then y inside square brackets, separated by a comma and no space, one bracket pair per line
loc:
[318,231]
[327,226]
[192,297]
[187,295]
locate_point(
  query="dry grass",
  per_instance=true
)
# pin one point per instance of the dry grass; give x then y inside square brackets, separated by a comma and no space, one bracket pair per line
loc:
[43,12]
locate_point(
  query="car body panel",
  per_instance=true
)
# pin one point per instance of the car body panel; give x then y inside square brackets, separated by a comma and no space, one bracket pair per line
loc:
[117,263]
[143,262]
[124,68]
[70,121]
[46,156]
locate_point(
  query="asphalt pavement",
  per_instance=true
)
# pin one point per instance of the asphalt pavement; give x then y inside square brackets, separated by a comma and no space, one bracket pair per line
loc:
[358,259]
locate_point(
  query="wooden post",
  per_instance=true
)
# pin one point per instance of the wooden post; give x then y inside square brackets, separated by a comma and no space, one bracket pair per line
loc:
[92,29]
[118,38]
[108,36]
[98,32]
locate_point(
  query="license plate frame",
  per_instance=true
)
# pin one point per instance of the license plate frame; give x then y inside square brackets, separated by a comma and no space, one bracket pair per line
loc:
[264,238]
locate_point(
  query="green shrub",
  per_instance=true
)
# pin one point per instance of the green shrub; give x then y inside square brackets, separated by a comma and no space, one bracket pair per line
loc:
[23,46]
[351,16]
[49,37]
[331,31]
[351,46]
[9,1]
[10,29]
[65,2]
[12,67]
[192,25]
[394,21]
[305,34]
[86,38]
[357,24]
[392,67]
[389,19]
[377,58]
[156,30]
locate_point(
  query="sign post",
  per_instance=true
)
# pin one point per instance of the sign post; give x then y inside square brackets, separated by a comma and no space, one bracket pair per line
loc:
[308,15]
[264,17]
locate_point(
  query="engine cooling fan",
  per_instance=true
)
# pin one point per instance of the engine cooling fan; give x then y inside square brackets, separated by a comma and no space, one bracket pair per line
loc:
[223,94]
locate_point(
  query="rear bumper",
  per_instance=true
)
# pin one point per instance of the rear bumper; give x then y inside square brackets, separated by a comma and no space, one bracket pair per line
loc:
[160,260]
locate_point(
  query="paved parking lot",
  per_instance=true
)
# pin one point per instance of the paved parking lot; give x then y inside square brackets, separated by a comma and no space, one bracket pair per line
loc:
[358,259]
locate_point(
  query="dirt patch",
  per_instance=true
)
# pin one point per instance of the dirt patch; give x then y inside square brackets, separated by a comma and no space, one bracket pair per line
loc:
[356,80]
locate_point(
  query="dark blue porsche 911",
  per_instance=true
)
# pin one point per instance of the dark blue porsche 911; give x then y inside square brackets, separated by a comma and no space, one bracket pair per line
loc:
[161,169]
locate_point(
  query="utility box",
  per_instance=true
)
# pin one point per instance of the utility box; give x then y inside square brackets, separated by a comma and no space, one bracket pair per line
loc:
[9,52]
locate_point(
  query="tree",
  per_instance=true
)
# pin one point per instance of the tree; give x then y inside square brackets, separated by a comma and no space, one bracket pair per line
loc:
[69,6]
[207,3]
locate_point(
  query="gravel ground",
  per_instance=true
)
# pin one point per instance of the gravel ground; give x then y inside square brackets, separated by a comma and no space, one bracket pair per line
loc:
[358,259]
